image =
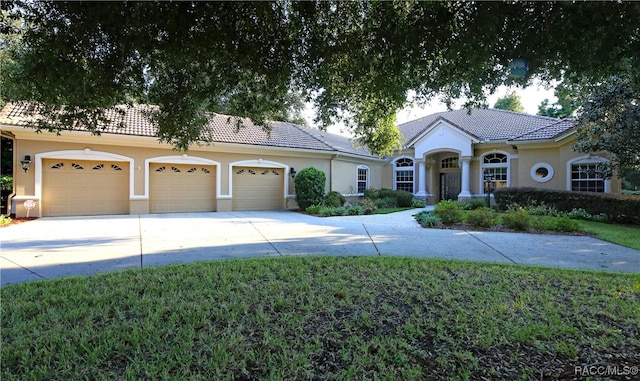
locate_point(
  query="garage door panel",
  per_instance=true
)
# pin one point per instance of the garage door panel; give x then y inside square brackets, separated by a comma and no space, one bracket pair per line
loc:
[82,187]
[258,188]
[176,188]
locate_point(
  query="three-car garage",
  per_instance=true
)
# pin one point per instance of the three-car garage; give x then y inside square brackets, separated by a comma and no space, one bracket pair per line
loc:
[74,187]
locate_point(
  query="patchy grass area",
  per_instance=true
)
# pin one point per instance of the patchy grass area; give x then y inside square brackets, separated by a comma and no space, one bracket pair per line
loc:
[322,319]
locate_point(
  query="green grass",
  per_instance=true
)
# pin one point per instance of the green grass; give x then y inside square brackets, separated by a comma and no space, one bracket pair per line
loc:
[622,235]
[391,210]
[330,318]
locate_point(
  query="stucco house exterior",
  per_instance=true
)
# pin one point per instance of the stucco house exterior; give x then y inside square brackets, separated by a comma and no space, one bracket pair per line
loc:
[126,170]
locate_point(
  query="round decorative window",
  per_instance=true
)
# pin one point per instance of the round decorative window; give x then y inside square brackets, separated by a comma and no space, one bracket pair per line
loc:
[541,172]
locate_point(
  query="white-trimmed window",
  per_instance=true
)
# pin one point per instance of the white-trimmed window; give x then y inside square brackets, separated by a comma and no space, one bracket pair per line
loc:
[450,162]
[362,178]
[541,172]
[496,164]
[403,172]
[586,175]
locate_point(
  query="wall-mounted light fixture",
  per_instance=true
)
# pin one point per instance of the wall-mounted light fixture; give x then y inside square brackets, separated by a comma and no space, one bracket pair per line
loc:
[293,172]
[488,179]
[26,163]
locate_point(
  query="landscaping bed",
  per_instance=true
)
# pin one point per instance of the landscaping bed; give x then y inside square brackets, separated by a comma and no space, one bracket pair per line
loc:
[6,221]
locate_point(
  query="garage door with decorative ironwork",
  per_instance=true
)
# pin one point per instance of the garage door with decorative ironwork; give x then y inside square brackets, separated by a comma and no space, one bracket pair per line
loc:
[180,188]
[82,188]
[258,188]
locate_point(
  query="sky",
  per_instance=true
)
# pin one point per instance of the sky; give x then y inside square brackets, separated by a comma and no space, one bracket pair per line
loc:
[531,97]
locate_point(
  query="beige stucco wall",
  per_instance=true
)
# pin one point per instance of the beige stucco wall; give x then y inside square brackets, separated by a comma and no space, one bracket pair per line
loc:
[340,170]
[523,157]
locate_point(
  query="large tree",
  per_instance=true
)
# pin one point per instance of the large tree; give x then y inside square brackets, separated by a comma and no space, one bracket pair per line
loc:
[511,102]
[609,120]
[357,61]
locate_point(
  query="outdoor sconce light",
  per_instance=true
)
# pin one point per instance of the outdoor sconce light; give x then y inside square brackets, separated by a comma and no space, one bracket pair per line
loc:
[488,178]
[26,163]
[293,172]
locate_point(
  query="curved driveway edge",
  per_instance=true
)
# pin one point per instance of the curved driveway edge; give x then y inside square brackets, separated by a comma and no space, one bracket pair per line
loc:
[54,247]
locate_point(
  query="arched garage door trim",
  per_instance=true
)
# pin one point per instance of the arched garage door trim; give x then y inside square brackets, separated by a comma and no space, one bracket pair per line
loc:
[180,159]
[85,154]
[260,163]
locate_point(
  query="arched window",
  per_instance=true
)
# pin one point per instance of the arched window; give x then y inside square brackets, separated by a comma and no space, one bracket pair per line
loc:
[449,162]
[496,164]
[362,179]
[403,172]
[586,174]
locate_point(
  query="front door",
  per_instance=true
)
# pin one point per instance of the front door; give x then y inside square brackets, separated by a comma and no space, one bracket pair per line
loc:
[449,186]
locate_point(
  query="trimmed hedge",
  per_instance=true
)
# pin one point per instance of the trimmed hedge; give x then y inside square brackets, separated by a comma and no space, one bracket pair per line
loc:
[624,209]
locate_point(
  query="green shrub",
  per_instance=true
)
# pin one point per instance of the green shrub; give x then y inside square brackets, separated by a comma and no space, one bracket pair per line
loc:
[482,217]
[449,212]
[371,193]
[368,206]
[623,208]
[313,209]
[355,210]
[334,199]
[385,202]
[418,204]
[6,182]
[340,211]
[4,219]
[309,184]
[517,219]
[387,193]
[565,224]
[427,219]
[541,209]
[579,214]
[474,204]
[543,224]
[404,199]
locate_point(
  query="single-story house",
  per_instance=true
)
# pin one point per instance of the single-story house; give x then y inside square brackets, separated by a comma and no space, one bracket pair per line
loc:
[126,170]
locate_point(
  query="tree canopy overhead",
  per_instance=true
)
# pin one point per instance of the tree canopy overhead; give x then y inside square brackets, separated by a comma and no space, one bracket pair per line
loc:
[356,61]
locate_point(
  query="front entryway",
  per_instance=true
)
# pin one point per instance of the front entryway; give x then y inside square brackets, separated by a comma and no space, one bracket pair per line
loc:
[449,186]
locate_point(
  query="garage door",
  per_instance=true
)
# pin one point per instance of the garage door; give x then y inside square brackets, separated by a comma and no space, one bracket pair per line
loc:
[181,188]
[258,188]
[82,188]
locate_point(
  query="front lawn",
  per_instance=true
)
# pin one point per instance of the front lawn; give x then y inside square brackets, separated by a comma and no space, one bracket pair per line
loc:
[322,318]
[628,236]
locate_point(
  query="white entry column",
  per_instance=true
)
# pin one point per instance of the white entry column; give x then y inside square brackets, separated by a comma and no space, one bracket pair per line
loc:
[464,191]
[422,179]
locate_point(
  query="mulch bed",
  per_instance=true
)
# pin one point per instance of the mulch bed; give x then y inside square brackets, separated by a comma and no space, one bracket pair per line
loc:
[18,220]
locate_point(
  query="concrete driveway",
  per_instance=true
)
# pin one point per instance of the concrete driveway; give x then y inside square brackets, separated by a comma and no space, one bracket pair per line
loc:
[54,247]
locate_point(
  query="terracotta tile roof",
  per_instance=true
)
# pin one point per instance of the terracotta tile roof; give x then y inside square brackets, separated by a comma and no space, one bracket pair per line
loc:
[222,129]
[491,124]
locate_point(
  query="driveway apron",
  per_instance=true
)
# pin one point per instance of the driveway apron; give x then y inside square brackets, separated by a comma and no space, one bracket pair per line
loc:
[54,247]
